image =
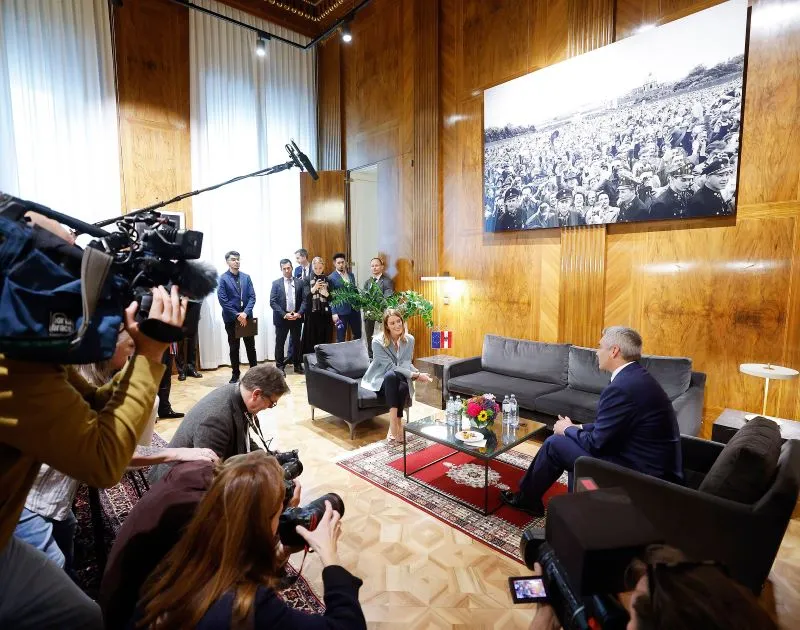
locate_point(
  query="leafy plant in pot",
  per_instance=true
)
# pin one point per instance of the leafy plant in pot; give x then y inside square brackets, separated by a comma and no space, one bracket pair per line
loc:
[373,303]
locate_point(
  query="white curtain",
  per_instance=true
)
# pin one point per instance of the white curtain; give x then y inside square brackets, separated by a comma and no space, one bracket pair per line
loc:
[244,109]
[58,112]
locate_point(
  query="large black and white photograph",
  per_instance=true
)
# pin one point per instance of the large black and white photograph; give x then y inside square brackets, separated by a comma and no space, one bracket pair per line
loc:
[644,129]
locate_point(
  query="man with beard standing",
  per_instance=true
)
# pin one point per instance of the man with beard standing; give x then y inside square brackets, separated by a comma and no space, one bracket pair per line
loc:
[708,201]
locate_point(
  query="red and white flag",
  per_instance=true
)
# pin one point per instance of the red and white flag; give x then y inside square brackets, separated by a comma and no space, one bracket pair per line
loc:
[447,339]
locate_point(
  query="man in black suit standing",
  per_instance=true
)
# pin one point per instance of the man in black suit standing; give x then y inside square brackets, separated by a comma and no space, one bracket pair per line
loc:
[635,427]
[386,285]
[286,300]
[344,315]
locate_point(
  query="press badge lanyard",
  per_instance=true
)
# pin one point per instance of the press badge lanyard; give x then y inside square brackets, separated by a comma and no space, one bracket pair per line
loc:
[255,427]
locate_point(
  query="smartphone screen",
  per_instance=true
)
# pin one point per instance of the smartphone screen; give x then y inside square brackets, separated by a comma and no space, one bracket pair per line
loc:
[525,590]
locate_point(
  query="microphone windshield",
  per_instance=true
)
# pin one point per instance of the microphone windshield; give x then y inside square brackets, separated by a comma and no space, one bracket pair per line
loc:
[197,279]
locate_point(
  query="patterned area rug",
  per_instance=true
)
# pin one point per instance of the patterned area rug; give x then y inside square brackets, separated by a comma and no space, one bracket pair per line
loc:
[116,504]
[460,476]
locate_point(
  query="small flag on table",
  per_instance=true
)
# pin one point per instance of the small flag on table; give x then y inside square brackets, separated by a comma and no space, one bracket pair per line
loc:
[441,339]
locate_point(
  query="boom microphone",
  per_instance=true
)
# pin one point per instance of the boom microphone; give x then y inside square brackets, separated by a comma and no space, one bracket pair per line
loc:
[197,279]
[301,160]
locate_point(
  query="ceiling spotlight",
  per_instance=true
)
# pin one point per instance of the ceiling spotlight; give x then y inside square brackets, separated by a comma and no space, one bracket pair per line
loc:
[261,44]
[347,36]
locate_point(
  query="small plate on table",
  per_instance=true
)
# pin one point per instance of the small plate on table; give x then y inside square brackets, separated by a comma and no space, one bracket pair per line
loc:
[470,437]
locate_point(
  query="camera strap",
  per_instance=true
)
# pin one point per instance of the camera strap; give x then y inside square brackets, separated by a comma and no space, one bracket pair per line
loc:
[95,266]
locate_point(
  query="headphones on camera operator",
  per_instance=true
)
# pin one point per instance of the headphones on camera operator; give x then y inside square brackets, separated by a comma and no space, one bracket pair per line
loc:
[63,304]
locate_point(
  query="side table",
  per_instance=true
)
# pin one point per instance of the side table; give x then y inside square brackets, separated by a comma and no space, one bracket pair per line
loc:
[731,420]
[437,363]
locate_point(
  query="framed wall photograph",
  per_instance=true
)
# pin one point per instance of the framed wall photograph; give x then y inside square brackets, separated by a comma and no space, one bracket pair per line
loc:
[644,129]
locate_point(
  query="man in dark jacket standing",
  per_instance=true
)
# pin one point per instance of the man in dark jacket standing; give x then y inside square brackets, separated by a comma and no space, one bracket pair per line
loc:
[288,307]
[237,297]
[635,427]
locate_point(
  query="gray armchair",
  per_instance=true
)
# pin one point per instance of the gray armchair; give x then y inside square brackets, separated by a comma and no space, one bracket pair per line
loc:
[744,537]
[333,377]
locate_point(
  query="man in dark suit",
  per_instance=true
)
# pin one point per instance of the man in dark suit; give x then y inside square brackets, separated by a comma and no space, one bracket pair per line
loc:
[671,203]
[708,201]
[222,419]
[344,313]
[631,208]
[237,297]
[635,427]
[386,285]
[303,269]
[286,301]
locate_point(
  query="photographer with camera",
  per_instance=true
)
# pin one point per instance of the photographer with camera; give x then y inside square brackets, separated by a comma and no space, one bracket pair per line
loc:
[224,570]
[49,414]
[226,419]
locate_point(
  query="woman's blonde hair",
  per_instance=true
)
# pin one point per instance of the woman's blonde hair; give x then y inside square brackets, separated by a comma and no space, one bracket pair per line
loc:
[387,336]
[227,546]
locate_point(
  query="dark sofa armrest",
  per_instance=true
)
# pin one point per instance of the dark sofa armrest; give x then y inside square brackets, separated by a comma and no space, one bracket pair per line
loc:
[332,392]
[699,455]
[459,368]
[689,405]
[704,526]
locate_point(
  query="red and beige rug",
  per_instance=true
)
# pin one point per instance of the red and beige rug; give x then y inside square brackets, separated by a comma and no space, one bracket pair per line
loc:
[460,476]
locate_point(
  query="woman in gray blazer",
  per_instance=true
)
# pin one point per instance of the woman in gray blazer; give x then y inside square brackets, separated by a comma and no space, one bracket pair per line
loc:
[391,372]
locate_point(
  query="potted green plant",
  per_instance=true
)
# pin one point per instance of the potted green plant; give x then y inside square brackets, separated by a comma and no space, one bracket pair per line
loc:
[372,302]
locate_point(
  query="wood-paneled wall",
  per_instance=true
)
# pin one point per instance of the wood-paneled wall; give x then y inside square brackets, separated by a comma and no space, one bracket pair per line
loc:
[722,292]
[151,47]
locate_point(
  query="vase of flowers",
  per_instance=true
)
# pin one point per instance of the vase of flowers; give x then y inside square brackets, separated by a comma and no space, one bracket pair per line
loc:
[482,410]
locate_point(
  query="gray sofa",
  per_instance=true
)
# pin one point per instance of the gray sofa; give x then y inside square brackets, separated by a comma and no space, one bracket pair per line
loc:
[559,378]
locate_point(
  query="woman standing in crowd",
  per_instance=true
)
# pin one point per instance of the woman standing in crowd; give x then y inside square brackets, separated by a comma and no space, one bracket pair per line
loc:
[391,372]
[223,571]
[319,321]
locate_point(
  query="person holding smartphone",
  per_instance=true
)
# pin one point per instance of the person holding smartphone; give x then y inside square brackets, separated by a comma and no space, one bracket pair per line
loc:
[316,295]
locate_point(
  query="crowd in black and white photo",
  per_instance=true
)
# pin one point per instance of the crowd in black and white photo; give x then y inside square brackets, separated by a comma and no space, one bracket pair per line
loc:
[652,156]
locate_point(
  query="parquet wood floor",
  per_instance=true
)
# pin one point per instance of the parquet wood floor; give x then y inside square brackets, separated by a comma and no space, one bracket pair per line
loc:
[418,572]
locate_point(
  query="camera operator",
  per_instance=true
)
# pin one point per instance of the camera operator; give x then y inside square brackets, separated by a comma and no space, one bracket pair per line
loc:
[670,592]
[223,570]
[49,414]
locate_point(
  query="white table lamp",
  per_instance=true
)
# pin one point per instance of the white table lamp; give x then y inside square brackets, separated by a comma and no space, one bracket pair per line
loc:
[768,372]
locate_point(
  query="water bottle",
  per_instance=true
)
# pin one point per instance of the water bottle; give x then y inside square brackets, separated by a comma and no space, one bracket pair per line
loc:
[506,411]
[514,411]
[450,415]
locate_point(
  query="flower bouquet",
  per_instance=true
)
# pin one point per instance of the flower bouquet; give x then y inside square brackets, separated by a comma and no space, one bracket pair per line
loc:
[482,410]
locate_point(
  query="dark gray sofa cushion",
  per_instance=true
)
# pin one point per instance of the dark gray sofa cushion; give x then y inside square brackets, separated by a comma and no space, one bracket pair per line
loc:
[532,360]
[746,466]
[500,385]
[674,374]
[580,406]
[584,371]
[349,358]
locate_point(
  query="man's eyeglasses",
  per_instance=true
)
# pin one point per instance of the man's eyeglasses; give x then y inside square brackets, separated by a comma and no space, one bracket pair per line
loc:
[272,403]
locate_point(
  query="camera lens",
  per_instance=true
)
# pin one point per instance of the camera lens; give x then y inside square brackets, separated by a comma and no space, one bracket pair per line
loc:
[308,516]
[292,469]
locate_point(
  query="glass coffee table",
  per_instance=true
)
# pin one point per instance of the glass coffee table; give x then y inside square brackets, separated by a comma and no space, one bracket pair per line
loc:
[498,441]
